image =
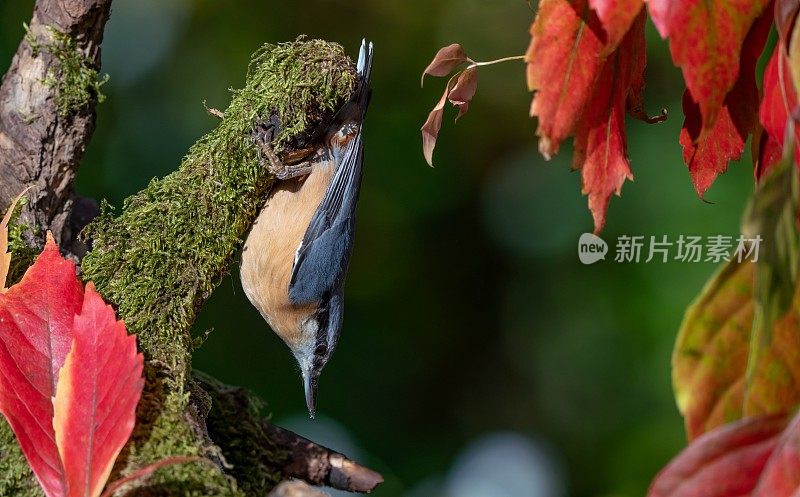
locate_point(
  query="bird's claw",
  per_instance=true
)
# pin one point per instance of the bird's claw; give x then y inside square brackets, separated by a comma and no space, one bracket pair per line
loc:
[264,135]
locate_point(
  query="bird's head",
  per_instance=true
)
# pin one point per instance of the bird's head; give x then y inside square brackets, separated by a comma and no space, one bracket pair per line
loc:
[318,338]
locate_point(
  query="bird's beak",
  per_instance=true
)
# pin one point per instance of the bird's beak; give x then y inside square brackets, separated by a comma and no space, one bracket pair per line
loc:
[310,386]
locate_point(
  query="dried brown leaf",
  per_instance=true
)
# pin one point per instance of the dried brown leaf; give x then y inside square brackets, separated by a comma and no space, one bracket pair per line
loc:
[464,89]
[430,130]
[446,59]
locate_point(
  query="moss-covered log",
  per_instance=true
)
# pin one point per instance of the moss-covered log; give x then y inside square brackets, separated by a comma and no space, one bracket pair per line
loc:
[161,259]
[175,239]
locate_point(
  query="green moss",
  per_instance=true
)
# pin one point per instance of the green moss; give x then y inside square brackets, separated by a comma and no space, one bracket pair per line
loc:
[22,254]
[30,39]
[77,80]
[16,477]
[174,241]
[163,431]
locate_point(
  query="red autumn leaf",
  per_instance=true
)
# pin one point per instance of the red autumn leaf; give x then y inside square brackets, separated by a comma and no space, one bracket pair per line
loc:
[725,462]
[755,457]
[705,39]
[96,396]
[777,105]
[70,425]
[147,471]
[616,17]
[600,142]
[36,317]
[445,61]
[781,477]
[708,153]
[565,58]
[464,89]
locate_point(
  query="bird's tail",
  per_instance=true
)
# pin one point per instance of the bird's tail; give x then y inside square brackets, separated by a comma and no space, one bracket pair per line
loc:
[354,110]
[364,68]
[364,65]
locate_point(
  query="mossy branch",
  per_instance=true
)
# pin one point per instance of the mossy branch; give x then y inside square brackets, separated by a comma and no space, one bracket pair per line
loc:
[78,82]
[175,240]
[163,256]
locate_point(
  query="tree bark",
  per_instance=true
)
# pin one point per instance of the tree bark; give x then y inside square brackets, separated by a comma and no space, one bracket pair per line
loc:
[39,145]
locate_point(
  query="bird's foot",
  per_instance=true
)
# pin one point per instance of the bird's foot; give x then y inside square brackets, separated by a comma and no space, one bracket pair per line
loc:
[264,135]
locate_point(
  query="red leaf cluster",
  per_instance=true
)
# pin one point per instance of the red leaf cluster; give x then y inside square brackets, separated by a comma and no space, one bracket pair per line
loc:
[705,39]
[586,64]
[777,112]
[586,61]
[710,143]
[70,377]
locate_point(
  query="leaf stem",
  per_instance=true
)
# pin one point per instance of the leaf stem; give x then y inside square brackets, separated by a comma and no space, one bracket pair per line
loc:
[496,61]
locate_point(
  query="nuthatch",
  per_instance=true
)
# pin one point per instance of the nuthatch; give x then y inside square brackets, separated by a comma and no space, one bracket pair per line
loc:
[295,259]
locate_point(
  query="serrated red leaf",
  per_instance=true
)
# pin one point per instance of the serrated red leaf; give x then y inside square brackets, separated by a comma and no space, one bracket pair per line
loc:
[36,317]
[616,17]
[725,462]
[705,39]
[564,59]
[70,377]
[708,153]
[777,104]
[600,142]
[95,402]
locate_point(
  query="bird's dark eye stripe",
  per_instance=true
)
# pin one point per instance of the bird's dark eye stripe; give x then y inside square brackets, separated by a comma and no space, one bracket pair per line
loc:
[321,349]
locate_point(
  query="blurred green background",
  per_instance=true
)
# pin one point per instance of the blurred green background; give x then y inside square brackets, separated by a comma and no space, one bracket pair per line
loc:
[479,357]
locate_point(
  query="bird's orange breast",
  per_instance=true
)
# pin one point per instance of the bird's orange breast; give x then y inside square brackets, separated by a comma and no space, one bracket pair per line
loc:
[270,249]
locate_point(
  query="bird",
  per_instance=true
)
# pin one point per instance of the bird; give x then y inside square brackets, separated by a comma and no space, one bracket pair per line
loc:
[296,256]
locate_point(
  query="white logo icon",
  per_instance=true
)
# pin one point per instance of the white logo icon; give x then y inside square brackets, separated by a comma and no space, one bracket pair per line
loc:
[591,248]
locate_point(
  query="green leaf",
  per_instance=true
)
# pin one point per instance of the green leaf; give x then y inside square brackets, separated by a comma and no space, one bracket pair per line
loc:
[710,356]
[772,215]
[737,352]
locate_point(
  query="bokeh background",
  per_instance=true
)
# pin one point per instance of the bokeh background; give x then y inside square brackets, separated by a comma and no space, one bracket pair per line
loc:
[479,357]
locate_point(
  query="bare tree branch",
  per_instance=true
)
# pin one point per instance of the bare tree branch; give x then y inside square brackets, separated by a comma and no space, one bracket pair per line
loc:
[41,142]
[319,465]
[296,489]
[230,419]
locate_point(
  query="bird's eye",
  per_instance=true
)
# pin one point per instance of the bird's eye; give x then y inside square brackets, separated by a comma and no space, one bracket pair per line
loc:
[321,350]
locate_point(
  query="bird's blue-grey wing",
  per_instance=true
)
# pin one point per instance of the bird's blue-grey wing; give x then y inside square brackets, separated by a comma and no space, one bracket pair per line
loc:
[324,254]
